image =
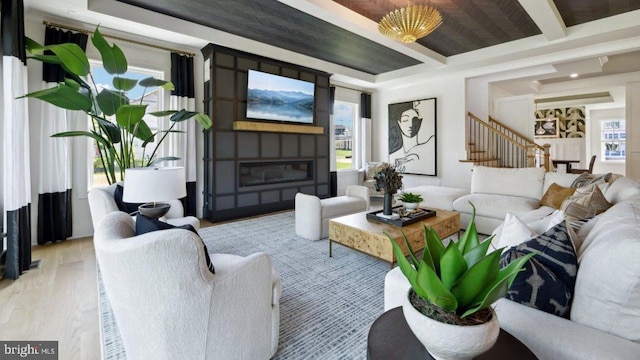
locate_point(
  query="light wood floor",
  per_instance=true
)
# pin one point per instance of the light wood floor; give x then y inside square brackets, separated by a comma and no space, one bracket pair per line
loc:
[57,302]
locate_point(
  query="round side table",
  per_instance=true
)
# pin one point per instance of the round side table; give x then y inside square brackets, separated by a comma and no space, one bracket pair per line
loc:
[391,338]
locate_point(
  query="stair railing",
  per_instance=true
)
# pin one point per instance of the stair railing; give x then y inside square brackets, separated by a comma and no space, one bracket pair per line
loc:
[538,155]
[498,144]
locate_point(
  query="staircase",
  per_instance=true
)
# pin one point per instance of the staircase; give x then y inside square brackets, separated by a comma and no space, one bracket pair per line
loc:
[496,145]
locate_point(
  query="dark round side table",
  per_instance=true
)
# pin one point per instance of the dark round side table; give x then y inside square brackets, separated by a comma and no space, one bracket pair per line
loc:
[391,338]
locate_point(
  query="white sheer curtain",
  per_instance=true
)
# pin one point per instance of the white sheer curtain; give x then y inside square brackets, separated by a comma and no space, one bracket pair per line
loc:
[54,215]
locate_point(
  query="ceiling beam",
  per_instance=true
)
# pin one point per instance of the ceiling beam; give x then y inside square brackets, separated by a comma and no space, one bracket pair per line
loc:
[545,14]
[340,16]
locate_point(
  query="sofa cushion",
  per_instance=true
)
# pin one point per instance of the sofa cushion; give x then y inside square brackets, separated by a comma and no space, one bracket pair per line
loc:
[146,224]
[587,179]
[513,232]
[524,182]
[495,206]
[538,220]
[622,189]
[439,197]
[607,293]
[555,195]
[587,201]
[562,179]
[548,279]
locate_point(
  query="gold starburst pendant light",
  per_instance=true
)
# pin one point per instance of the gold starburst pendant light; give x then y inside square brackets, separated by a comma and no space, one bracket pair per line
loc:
[410,23]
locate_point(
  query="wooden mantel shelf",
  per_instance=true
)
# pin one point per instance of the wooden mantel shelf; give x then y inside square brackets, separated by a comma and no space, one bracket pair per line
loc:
[277,127]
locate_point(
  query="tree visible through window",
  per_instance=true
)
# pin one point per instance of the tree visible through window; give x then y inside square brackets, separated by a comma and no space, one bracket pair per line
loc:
[344,117]
[613,139]
[152,99]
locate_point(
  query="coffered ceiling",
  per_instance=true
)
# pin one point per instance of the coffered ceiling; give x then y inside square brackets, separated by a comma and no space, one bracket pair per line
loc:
[468,25]
[341,37]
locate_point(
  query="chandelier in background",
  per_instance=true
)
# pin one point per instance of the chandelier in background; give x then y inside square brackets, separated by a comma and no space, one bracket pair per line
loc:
[410,23]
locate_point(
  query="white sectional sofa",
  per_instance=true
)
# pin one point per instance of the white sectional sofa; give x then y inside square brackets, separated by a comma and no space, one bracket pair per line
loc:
[604,322]
[604,319]
[495,192]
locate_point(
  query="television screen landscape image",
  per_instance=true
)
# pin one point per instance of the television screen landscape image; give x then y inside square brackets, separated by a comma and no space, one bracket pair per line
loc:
[279,98]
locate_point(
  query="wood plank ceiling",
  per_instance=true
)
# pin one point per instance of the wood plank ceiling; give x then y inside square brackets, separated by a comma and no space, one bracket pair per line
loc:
[468,25]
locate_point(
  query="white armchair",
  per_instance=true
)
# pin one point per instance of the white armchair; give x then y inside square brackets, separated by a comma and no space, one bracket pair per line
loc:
[313,214]
[168,305]
[102,202]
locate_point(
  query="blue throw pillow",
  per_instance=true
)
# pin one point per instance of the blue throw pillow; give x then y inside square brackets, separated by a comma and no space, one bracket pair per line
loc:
[549,277]
[129,208]
[146,224]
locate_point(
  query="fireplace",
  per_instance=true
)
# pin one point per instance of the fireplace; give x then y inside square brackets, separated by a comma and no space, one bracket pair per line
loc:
[274,172]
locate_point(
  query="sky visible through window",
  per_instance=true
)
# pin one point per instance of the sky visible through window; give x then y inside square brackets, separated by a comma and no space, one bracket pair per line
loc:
[343,114]
[104,81]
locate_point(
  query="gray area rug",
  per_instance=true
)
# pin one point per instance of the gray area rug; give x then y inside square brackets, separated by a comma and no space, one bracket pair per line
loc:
[327,305]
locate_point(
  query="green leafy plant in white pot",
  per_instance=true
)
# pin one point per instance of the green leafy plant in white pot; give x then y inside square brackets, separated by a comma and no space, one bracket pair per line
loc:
[116,122]
[448,306]
[410,200]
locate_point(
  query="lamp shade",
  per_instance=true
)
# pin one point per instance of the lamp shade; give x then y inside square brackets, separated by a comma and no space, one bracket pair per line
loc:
[154,184]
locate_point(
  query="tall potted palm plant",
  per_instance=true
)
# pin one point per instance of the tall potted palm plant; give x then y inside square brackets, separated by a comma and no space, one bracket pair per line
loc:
[116,122]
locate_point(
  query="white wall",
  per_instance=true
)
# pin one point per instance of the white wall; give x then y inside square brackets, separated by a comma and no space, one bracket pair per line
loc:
[516,112]
[137,56]
[633,129]
[451,113]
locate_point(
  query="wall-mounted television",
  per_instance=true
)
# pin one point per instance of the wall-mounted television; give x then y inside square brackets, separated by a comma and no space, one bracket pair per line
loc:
[279,98]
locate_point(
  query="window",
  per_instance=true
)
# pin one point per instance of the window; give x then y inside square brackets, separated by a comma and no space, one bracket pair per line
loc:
[153,98]
[345,115]
[613,139]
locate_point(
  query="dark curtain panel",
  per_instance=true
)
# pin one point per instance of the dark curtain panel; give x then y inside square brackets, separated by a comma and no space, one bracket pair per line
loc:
[13,29]
[15,144]
[54,72]
[183,80]
[365,105]
[182,75]
[55,221]
[332,98]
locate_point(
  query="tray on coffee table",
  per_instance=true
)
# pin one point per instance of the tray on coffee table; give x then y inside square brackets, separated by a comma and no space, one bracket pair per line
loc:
[407,218]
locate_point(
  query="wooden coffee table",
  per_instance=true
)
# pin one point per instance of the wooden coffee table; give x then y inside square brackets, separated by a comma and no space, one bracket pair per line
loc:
[357,232]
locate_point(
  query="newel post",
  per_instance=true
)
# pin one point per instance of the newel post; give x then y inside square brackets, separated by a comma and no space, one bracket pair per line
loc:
[547,157]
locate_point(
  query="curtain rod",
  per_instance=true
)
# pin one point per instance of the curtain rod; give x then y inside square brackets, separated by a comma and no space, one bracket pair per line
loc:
[348,88]
[119,38]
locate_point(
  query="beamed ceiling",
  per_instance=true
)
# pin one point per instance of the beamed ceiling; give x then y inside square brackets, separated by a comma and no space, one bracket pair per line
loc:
[468,25]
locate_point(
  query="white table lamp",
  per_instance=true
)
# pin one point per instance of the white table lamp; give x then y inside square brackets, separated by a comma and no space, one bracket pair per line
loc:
[152,186]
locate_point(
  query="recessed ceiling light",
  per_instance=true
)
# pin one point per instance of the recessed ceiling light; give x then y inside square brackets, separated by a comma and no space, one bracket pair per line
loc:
[574,75]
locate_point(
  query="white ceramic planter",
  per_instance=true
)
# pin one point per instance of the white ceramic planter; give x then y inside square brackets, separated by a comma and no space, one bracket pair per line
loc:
[451,342]
[410,206]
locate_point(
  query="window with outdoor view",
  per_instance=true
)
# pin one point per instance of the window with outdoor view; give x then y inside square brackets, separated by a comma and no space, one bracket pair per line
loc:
[345,115]
[613,139]
[153,100]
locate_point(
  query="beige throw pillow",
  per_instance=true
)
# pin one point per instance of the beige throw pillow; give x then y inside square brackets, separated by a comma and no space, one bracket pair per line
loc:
[586,202]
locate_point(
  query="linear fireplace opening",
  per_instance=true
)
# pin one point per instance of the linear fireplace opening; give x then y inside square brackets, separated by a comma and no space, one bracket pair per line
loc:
[274,172]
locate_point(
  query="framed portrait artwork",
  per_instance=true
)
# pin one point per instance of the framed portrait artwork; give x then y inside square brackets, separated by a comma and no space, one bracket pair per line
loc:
[546,128]
[412,137]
